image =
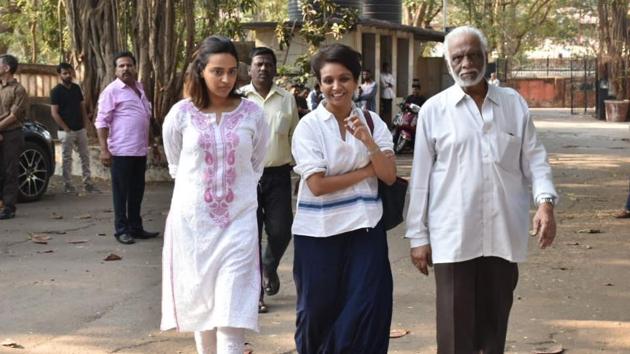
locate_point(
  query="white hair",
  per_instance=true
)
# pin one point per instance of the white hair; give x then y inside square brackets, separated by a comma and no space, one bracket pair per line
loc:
[464,30]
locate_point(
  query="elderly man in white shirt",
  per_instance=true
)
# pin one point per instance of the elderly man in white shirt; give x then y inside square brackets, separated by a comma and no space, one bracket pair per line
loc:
[476,153]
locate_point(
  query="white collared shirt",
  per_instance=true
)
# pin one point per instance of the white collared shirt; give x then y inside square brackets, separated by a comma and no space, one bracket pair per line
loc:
[281,114]
[388,92]
[317,147]
[471,174]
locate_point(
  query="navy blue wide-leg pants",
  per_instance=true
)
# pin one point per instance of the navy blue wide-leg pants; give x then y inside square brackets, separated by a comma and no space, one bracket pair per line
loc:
[344,290]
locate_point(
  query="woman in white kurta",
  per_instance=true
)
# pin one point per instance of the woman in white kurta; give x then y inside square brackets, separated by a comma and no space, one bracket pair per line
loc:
[215,143]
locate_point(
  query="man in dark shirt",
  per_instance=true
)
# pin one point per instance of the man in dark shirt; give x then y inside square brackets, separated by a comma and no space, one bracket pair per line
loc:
[13,101]
[415,96]
[300,100]
[68,111]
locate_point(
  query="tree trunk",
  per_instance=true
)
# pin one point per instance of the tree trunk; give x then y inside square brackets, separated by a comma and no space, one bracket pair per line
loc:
[94,36]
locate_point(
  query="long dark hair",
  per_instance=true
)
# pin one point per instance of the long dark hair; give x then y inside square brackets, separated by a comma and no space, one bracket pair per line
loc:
[194,85]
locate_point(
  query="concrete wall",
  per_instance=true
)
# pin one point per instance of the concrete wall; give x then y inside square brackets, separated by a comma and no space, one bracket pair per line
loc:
[157,171]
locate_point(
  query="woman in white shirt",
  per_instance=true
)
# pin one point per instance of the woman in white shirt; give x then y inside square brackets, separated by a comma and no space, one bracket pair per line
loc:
[341,268]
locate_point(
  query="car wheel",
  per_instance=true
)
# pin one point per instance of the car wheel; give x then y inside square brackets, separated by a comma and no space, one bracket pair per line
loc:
[33,175]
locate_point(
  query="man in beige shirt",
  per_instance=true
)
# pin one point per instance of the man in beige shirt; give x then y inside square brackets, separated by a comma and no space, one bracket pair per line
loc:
[13,100]
[274,188]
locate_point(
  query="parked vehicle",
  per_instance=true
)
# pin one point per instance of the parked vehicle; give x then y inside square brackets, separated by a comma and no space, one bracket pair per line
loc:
[404,126]
[37,162]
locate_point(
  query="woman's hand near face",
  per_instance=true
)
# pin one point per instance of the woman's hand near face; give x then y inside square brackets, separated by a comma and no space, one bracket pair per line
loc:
[359,130]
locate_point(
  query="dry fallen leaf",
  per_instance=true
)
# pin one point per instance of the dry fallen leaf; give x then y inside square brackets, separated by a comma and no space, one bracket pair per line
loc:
[40,239]
[46,251]
[56,216]
[554,349]
[84,216]
[589,231]
[397,333]
[74,242]
[54,232]
[112,257]
[572,243]
[11,344]
[101,234]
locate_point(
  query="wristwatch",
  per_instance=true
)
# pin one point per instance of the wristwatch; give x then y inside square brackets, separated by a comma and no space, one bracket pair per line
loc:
[549,200]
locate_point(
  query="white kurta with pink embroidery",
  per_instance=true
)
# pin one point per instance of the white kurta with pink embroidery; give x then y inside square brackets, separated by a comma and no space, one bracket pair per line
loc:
[210,275]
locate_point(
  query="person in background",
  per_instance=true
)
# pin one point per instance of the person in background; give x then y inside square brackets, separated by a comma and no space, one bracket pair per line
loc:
[341,267]
[388,93]
[314,97]
[13,105]
[302,106]
[494,80]
[476,154]
[215,143]
[122,122]
[416,97]
[68,110]
[274,188]
[367,91]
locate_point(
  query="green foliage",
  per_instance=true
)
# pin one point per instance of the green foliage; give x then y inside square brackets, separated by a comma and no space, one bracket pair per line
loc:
[32,30]
[320,19]
[514,27]
[223,17]
[268,10]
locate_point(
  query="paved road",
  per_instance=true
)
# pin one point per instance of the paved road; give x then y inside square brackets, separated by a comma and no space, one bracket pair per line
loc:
[62,297]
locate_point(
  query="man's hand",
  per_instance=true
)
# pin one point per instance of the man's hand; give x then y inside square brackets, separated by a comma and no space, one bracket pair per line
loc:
[544,225]
[106,157]
[421,258]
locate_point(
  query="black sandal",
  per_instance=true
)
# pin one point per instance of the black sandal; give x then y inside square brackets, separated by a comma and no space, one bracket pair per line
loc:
[262,308]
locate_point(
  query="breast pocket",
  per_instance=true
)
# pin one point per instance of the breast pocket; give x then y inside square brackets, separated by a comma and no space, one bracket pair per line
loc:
[508,151]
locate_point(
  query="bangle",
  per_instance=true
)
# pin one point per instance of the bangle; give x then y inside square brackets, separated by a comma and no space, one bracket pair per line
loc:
[373,150]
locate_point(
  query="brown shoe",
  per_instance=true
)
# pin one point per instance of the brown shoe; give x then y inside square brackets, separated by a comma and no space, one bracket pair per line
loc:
[624,214]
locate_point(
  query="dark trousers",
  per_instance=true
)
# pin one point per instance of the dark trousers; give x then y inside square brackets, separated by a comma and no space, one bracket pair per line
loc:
[128,191]
[10,149]
[473,303]
[386,111]
[275,214]
[344,293]
[628,202]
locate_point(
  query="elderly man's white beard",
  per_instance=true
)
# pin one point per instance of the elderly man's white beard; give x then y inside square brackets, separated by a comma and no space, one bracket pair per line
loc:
[470,82]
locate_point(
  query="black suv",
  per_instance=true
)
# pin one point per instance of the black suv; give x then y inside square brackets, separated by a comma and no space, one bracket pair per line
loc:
[37,162]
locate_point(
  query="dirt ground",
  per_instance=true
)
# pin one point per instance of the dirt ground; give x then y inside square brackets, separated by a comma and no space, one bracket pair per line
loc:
[62,297]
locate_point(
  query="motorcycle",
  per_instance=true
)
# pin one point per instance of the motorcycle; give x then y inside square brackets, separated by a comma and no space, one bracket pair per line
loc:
[404,126]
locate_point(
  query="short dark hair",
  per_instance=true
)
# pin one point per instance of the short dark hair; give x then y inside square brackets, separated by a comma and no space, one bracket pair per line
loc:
[194,85]
[124,54]
[64,66]
[256,51]
[11,61]
[340,54]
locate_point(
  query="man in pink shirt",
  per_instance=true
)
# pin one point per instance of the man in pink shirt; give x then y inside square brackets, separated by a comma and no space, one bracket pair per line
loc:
[122,123]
